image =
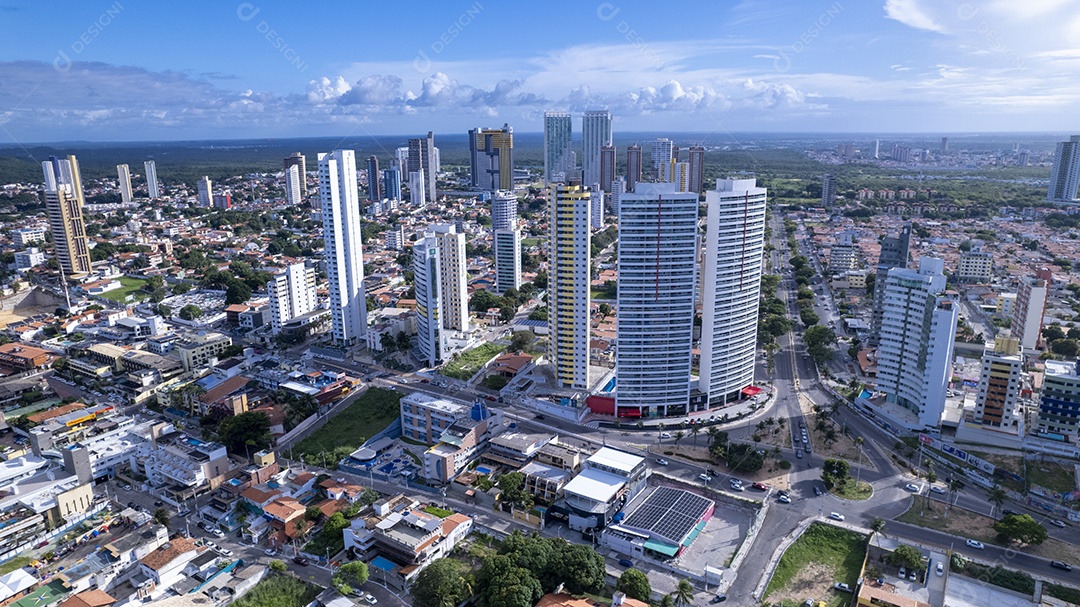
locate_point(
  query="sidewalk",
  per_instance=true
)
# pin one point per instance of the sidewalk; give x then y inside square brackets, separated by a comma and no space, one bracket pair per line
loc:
[745,408]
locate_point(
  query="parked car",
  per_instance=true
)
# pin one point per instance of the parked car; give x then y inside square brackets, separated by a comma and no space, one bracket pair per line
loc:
[783,499]
[836,516]
[225,552]
[975,544]
[913,576]
[183,512]
[798,453]
[720,598]
[218,533]
[1057,523]
[936,489]
[940,569]
[626,563]
[370,599]
[842,587]
[760,486]
[269,552]
[159,503]
[665,435]
[704,477]
[913,487]
[1061,565]
[1007,512]
[661,461]
[300,561]
[903,573]
[817,490]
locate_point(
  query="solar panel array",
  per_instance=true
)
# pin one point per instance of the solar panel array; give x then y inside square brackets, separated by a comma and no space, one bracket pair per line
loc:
[670,513]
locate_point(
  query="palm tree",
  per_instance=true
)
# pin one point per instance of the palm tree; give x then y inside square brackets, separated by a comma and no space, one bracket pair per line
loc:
[694,430]
[955,485]
[931,478]
[997,495]
[660,430]
[678,437]
[667,601]
[684,593]
[878,524]
[713,433]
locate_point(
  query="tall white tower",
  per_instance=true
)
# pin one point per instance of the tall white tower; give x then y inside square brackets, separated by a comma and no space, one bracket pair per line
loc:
[657,272]
[428,286]
[568,285]
[596,133]
[417,190]
[660,152]
[454,298]
[1065,176]
[205,192]
[344,255]
[123,174]
[292,185]
[731,287]
[558,130]
[504,209]
[152,188]
[507,260]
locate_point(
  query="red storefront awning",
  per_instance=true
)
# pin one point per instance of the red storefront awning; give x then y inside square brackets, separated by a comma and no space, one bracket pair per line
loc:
[751,391]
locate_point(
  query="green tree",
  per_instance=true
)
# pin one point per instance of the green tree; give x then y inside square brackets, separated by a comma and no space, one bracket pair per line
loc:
[1020,528]
[355,573]
[605,309]
[582,567]
[997,495]
[278,566]
[1064,347]
[540,313]
[191,312]
[512,485]
[878,524]
[684,593]
[237,292]
[906,556]
[501,583]
[635,584]
[819,342]
[541,280]
[439,584]
[521,341]
[180,288]
[246,433]
[161,517]
[835,472]
[744,458]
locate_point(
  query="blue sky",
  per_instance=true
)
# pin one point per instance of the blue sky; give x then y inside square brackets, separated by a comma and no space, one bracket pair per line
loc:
[99,70]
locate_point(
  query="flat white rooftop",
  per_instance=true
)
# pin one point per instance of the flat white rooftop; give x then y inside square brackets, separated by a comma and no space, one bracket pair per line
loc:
[615,459]
[595,485]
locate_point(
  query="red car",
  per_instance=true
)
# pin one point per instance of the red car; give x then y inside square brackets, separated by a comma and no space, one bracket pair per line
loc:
[760,486]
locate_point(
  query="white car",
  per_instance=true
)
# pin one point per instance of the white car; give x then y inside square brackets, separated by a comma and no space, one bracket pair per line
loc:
[1057,523]
[940,569]
[225,552]
[665,435]
[370,599]
[661,461]
[218,533]
[704,477]
[975,544]
[913,487]
[936,489]
[784,499]
[269,552]
[836,516]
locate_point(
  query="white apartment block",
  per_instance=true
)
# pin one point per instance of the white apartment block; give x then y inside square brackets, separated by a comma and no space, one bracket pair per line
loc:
[27,236]
[427,283]
[976,266]
[344,251]
[293,185]
[454,297]
[1000,381]
[292,294]
[507,260]
[595,133]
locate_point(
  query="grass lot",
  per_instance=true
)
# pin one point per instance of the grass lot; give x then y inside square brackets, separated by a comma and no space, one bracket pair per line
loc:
[822,556]
[1051,475]
[279,591]
[848,490]
[465,365]
[603,294]
[16,563]
[439,512]
[324,539]
[365,417]
[132,286]
[1064,593]
[530,242]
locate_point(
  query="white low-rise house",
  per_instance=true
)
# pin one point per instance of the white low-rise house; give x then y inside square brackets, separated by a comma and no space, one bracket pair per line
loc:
[165,566]
[608,480]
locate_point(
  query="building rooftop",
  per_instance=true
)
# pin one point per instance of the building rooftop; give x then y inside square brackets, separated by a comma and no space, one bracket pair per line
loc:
[595,485]
[167,553]
[615,459]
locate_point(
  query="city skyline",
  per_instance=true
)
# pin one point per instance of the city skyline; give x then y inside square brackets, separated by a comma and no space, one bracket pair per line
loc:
[819,67]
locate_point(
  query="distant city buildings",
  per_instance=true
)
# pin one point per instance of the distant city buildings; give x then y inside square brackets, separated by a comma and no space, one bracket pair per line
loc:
[607,167]
[633,166]
[696,157]
[569,284]
[558,150]
[392,181]
[915,352]
[660,153]
[975,266]
[491,158]
[658,243]
[123,174]
[828,190]
[344,254]
[64,206]
[595,133]
[422,159]
[1065,175]
[731,288]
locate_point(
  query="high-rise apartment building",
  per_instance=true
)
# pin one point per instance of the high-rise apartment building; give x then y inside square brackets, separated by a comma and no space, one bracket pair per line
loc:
[454,298]
[975,265]
[596,213]
[292,295]
[1065,176]
[618,188]
[152,188]
[392,182]
[292,185]
[607,167]
[504,210]
[123,174]
[374,185]
[677,173]
[298,160]
[877,148]
[1059,404]
[997,404]
[422,159]
[558,150]
[568,285]
[844,254]
[915,352]
[633,167]
[894,254]
[428,286]
[206,192]
[417,189]
[402,156]
[1030,307]
[828,190]
[657,272]
[64,206]
[595,133]
[696,155]
[344,252]
[731,288]
[507,259]
[491,158]
[660,153]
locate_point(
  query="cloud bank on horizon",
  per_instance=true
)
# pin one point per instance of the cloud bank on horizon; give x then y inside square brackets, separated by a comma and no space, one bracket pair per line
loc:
[283,71]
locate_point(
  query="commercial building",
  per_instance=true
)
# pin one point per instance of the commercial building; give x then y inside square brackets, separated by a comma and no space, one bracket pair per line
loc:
[296,159]
[975,265]
[607,167]
[344,251]
[1059,405]
[507,260]
[844,254]
[293,183]
[196,350]
[696,155]
[23,357]
[504,210]
[392,181]
[153,190]
[657,277]
[660,524]
[491,158]
[1000,381]
[292,295]
[731,288]
[461,443]
[206,191]
[633,166]
[609,479]
[894,254]
[28,236]
[425,418]
[64,206]
[1030,307]
[558,153]
[568,284]
[916,344]
[422,159]
[1065,176]
[595,133]
[123,177]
